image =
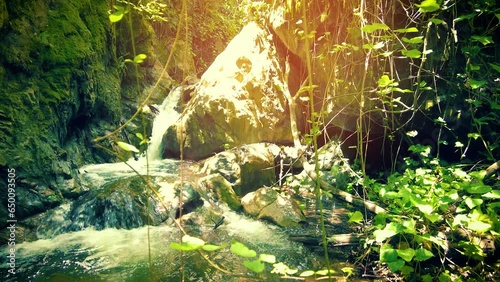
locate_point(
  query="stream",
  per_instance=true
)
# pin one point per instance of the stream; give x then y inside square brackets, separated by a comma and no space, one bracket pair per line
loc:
[88,240]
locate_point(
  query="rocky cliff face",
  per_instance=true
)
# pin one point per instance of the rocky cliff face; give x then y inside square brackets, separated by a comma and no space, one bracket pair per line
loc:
[59,88]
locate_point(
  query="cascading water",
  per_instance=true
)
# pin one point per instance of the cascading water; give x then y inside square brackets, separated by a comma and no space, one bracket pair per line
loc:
[167,116]
[73,248]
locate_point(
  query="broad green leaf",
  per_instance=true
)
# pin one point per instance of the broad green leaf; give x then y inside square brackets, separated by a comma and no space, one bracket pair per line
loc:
[495,194]
[474,135]
[413,40]
[478,188]
[356,217]
[369,28]
[407,270]
[423,254]
[307,273]
[485,40]
[127,147]
[428,6]
[495,66]
[139,58]
[188,244]
[396,265]
[474,84]
[413,53]
[267,258]
[139,135]
[432,217]
[473,202]
[384,81]
[465,17]
[382,235]
[242,250]
[406,254]
[211,248]
[117,15]
[324,272]
[479,226]
[194,241]
[436,21]
[254,265]
[388,253]
[406,30]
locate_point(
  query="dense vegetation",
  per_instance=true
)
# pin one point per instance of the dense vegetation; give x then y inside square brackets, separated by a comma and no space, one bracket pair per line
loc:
[423,77]
[419,79]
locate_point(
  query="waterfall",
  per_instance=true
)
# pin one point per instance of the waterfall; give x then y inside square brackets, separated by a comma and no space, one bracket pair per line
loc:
[167,116]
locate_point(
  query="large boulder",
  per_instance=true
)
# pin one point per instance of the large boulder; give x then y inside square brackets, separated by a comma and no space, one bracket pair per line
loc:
[267,204]
[246,168]
[239,100]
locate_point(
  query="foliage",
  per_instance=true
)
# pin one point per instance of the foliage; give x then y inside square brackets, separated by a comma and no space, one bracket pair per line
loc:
[429,204]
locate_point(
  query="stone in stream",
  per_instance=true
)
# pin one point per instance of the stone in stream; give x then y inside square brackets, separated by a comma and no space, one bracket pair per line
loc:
[267,204]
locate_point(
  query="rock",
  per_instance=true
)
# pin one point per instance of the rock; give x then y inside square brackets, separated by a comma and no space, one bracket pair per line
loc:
[239,100]
[267,204]
[246,168]
[122,204]
[222,189]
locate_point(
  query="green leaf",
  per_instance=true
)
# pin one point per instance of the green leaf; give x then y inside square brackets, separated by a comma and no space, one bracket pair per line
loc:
[479,226]
[495,194]
[495,66]
[127,147]
[356,217]
[474,135]
[396,265]
[423,254]
[369,28]
[432,217]
[474,84]
[478,188]
[240,249]
[428,6]
[255,265]
[324,272]
[382,235]
[139,135]
[188,244]
[436,21]
[406,30]
[211,248]
[473,202]
[413,40]
[413,53]
[139,58]
[307,273]
[485,40]
[117,15]
[406,254]
[267,258]
[388,253]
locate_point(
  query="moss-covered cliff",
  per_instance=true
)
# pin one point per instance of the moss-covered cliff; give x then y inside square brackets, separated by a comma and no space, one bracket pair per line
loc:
[59,88]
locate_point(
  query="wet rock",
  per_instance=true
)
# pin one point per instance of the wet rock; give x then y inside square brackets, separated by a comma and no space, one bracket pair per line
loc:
[267,204]
[221,189]
[122,204]
[246,168]
[239,100]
